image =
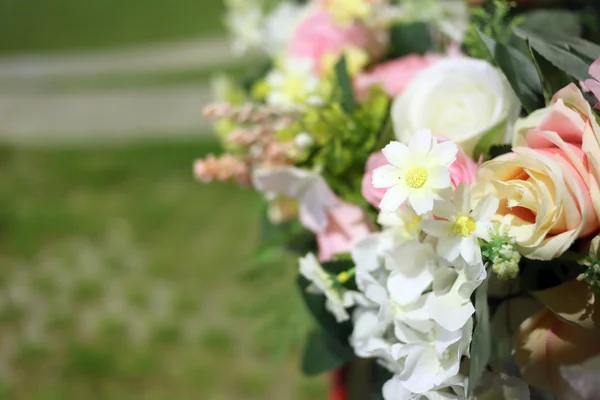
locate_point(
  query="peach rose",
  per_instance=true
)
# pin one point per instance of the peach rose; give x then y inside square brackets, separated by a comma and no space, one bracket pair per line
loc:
[548,189]
[393,75]
[347,224]
[552,339]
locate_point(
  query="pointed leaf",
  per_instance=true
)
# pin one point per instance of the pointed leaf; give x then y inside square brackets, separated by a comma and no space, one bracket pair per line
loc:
[345,84]
[481,346]
[323,353]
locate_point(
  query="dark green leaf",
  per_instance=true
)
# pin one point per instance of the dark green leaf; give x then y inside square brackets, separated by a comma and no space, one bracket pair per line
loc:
[519,71]
[492,137]
[316,305]
[481,345]
[345,84]
[563,59]
[498,150]
[546,21]
[541,275]
[323,353]
[410,39]
[553,79]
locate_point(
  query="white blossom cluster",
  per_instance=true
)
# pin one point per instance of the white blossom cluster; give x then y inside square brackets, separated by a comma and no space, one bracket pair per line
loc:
[417,275]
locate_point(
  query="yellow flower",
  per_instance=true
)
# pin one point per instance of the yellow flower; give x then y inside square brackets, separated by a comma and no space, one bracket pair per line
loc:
[356,59]
[346,11]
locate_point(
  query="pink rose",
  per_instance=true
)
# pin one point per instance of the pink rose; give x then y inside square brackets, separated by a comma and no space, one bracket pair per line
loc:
[347,224]
[594,84]
[369,192]
[393,75]
[462,170]
[318,36]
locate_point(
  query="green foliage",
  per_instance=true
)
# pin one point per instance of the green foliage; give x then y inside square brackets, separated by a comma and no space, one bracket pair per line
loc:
[481,345]
[519,70]
[544,21]
[498,150]
[324,353]
[344,140]
[344,84]
[409,38]
[540,275]
[496,24]
[553,79]
[492,137]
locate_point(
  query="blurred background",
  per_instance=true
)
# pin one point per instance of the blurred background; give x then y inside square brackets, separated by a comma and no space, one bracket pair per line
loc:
[120,276]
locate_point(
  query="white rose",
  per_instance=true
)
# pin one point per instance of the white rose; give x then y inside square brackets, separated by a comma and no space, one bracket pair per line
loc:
[460,98]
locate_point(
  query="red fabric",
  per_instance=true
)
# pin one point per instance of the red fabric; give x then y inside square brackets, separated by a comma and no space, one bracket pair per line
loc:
[338,390]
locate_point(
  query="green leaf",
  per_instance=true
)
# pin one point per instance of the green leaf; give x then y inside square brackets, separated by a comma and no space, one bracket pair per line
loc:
[498,150]
[323,353]
[546,21]
[492,137]
[519,71]
[345,84]
[553,79]
[563,59]
[410,38]
[316,305]
[541,275]
[481,345]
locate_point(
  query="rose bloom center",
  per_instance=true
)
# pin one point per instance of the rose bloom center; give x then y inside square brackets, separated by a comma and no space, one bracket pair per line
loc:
[416,177]
[464,226]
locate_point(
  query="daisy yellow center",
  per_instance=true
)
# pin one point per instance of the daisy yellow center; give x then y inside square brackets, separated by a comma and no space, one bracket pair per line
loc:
[416,177]
[464,226]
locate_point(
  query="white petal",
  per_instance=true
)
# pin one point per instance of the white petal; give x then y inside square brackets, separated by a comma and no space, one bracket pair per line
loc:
[451,310]
[444,153]
[406,289]
[486,208]
[420,144]
[385,177]
[444,209]
[437,228]
[421,201]
[365,254]
[462,199]
[439,178]
[393,390]
[449,247]
[396,153]
[394,198]
[469,248]
[420,369]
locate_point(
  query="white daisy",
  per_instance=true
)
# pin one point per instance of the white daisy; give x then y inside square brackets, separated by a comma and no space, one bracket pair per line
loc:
[417,172]
[462,226]
[338,299]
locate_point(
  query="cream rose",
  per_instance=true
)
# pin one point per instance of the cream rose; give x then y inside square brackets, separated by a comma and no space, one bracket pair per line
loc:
[460,98]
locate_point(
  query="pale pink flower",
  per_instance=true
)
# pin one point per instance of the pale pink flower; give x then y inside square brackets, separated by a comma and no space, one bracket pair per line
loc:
[369,192]
[318,36]
[594,84]
[347,225]
[224,168]
[393,75]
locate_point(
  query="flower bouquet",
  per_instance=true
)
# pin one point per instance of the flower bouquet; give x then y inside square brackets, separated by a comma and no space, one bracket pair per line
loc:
[435,166]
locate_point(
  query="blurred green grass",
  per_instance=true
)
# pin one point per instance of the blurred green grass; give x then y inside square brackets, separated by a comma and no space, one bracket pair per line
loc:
[121,278]
[71,24]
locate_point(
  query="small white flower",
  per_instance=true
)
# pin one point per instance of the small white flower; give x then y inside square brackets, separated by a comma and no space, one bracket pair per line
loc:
[417,172]
[461,228]
[293,85]
[400,226]
[433,360]
[338,299]
[304,140]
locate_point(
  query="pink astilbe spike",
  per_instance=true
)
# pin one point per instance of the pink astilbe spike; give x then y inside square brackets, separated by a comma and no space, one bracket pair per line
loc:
[224,168]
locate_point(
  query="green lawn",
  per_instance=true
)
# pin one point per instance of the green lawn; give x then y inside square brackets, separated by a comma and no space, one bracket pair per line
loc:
[122,278]
[72,24]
